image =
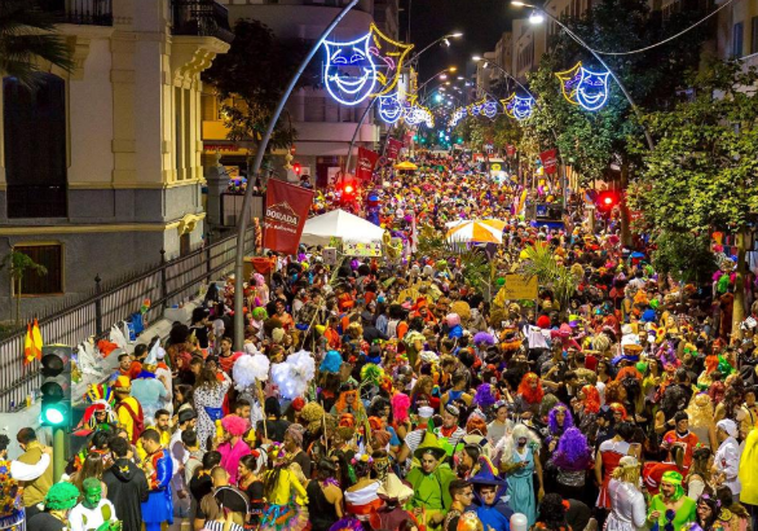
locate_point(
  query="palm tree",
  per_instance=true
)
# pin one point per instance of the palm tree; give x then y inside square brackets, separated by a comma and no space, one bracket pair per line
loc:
[28,39]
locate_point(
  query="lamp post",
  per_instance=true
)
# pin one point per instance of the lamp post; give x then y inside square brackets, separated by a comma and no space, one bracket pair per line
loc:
[539,16]
[239,318]
[445,38]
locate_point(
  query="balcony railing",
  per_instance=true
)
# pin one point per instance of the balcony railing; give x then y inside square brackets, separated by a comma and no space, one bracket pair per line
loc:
[89,12]
[203,18]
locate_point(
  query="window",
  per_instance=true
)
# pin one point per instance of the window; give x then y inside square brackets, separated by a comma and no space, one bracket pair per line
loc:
[35,148]
[754,35]
[737,40]
[51,257]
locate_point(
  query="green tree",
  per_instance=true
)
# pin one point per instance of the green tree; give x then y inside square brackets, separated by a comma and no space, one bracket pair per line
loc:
[685,256]
[251,78]
[702,175]
[539,261]
[28,40]
[19,264]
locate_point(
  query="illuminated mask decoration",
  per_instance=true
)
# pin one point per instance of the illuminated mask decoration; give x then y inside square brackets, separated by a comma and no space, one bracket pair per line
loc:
[389,56]
[350,74]
[585,88]
[390,108]
[417,114]
[517,107]
[489,109]
[459,114]
[592,90]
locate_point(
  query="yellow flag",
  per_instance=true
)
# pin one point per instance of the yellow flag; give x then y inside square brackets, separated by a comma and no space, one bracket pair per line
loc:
[37,339]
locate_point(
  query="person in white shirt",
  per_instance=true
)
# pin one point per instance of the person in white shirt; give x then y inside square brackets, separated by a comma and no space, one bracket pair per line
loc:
[628,509]
[727,460]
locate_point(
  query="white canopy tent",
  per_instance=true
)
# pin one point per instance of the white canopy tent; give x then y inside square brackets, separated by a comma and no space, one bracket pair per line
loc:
[342,225]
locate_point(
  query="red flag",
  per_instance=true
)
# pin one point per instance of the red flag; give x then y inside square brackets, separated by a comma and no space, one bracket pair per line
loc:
[549,161]
[364,168]
[510,150]
[393,148]
[287,208]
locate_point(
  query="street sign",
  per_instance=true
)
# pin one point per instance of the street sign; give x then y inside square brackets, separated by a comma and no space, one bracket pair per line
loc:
[518,287]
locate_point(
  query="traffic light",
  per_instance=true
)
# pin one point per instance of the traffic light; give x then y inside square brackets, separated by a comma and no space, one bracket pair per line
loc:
[349,189]
[607,200]
[56,386]
[297,168]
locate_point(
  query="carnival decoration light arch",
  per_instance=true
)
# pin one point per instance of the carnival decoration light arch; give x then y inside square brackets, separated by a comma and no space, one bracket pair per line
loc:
[585,88]
[390,108]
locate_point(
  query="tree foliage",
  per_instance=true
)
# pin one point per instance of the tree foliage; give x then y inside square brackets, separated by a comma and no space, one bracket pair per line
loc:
[28,39]
[703,173]
[539,261]
[251,78]
[685,256]
[18,265]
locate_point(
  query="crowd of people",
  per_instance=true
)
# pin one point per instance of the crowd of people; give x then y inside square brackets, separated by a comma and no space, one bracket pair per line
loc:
[398,394]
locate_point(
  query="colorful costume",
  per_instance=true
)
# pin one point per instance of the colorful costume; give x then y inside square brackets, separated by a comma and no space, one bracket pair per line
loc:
[159,506]
[288,499]
[684,515]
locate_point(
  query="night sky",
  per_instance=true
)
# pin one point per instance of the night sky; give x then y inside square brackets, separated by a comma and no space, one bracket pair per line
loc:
[482,22]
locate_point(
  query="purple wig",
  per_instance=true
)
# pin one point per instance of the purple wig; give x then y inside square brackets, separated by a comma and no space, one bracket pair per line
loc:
[573,453]
[484,338]
[485,396]
[552,421]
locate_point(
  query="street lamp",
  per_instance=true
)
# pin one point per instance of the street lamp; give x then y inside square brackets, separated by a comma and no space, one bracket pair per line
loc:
[578,40]
[244,218]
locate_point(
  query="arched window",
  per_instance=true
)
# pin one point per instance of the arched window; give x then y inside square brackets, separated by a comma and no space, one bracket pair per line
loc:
[34,121]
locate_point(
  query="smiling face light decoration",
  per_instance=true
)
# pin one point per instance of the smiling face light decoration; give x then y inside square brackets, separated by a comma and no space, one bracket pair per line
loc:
[517,107]
[350,75]
[390,108]
[489,109]
[585,88]
[592,89]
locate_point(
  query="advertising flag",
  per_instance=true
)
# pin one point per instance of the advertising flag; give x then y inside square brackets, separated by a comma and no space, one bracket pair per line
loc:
[287,208]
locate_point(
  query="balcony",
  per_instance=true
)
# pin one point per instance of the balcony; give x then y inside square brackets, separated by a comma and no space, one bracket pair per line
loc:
[86,12]
[201,18]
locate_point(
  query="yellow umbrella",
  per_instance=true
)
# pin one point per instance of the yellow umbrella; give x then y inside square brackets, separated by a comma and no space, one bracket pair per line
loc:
[405,165]
[477,231]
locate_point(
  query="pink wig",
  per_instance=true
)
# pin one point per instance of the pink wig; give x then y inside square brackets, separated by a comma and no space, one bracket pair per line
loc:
[235,425]
[400,404]
[453,319]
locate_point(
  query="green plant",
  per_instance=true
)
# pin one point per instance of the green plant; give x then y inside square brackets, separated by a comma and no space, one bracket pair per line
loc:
[540,261]
[18,265]
[28,40]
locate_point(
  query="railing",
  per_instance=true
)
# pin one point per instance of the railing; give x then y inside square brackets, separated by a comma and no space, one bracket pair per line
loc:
[231,207]
[89,12]
[169,283]
[203,18]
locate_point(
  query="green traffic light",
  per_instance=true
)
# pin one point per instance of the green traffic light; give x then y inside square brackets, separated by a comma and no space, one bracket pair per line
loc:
[53,415]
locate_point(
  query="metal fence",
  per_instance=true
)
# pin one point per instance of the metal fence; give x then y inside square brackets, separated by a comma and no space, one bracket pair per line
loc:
[170,283]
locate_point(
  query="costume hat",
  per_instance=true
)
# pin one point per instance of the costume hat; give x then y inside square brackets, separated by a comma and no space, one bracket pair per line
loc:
[430,444]
[394,488]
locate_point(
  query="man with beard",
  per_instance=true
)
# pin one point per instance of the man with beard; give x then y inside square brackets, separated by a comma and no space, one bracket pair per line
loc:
[671,507]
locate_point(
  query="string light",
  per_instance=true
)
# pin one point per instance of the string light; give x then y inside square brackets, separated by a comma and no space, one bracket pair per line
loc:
[459,114]
[350,74]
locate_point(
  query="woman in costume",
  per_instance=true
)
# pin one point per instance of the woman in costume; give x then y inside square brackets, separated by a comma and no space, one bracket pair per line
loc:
[608,456]
[349,402]
[209,397]
[324,497]
[627,501]
[520,463]
[701,414]
[699,475]
[287,498]
[572,459]
[361,499]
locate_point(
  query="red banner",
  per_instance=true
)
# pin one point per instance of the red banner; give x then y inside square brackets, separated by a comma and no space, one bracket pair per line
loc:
[393,148]
[287,209]
[549,161]
[364,168]
[510,150]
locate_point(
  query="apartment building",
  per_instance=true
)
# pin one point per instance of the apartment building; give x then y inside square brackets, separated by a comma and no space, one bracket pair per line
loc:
[100,168]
